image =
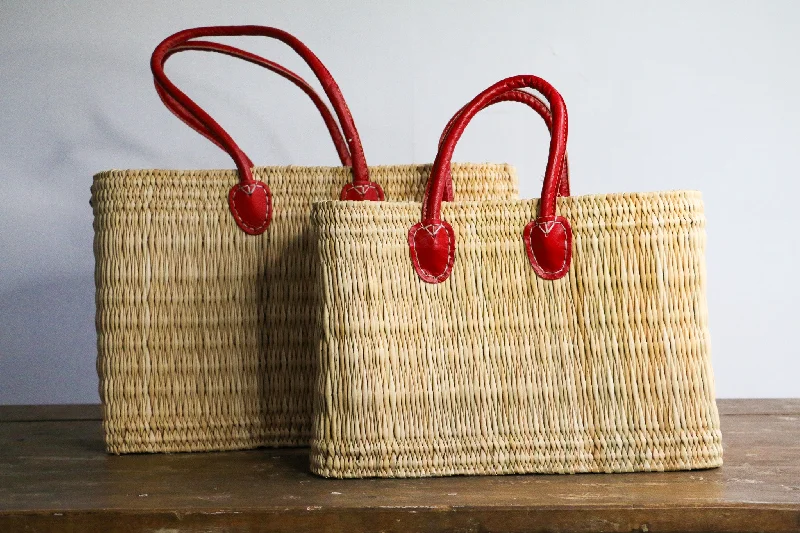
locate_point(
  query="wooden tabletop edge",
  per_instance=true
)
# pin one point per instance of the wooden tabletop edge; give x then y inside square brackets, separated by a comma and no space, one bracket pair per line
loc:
[587,507]
[71,412]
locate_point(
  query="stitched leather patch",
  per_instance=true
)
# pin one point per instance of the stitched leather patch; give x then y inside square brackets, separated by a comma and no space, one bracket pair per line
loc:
[251,206]
[369,191]
[433,250]
[548,242]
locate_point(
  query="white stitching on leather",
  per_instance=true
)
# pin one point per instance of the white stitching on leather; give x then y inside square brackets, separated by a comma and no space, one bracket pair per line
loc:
[236,215]
[435,231]
[546,233]
[362,189]
[248,189]
[415,259]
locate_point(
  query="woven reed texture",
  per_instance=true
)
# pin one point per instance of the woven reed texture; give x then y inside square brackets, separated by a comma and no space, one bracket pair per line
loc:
[497,371]
[205,335]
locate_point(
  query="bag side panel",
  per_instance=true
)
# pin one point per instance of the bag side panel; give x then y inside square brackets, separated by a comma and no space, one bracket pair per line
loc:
[498,371]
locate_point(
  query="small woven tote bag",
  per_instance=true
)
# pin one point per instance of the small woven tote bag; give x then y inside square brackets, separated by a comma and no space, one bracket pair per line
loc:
[560,335]
[207,280]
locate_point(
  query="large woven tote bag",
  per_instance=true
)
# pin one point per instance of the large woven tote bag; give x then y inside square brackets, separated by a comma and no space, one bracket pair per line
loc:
[207,284]
[557,335]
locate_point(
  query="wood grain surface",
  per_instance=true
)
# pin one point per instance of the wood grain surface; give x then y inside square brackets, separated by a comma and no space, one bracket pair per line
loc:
[54,476]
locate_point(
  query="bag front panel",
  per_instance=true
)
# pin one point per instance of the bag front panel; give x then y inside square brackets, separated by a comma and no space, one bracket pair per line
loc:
[205,334]
[496,370]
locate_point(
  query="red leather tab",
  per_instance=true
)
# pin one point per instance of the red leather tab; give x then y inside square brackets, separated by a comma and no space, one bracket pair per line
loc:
[251,206]
[548,242]
[359,192]
[433,250]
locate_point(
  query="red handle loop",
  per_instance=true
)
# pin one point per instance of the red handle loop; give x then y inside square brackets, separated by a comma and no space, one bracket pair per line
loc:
[250,200]
[208,46]
[535,103]
[548,238]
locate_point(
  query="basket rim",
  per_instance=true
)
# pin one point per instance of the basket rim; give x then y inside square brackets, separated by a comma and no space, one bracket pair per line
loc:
[357,208]
[315,169]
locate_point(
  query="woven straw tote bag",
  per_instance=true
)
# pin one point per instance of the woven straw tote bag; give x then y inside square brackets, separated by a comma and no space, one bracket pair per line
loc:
[206,280]
[560,335]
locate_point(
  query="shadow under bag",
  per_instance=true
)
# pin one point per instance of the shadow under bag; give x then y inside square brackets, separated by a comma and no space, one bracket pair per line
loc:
[558,335]
[207,280]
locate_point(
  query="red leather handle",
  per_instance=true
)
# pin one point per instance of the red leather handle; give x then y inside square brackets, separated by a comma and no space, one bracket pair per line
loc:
[208,46]
[187,118]
[547,238]
[250,200]
[535,103]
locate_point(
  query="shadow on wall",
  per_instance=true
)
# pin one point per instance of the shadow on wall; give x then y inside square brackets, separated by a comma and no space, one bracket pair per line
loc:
[48,343]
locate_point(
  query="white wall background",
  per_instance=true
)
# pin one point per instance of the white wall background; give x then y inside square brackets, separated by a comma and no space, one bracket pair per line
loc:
[661,95]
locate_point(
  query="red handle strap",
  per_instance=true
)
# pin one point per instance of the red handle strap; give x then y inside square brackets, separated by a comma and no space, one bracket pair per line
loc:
[250,200]
[547,238]
[535,103]
[190,120]
[208,46]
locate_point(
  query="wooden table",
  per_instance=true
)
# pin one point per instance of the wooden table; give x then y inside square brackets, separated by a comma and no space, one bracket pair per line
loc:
[54,476]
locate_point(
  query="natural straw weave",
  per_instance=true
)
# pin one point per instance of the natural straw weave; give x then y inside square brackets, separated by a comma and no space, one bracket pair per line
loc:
[497,371]
[205,334]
